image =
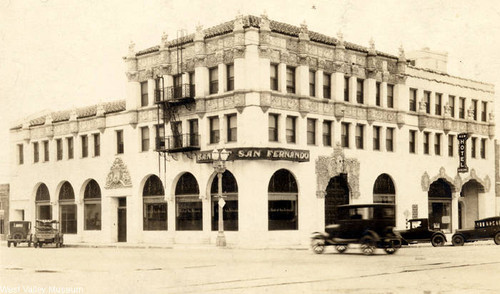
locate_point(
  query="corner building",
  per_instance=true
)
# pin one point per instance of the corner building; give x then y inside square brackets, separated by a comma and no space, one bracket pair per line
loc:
[310,121]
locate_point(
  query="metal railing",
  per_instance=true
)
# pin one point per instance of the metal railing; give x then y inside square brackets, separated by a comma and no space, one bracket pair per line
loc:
[179,143]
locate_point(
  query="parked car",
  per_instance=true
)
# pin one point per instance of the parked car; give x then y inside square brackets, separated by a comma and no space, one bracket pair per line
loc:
[486,228]
[19,232]
[370,225]
[418,232]
[47,232]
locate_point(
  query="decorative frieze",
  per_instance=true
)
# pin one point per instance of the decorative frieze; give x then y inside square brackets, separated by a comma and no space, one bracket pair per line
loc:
[147,62]
[147,115]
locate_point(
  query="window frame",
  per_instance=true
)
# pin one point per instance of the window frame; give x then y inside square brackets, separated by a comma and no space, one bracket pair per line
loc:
[311,131]
[232,130]
[145,138]
[376,138]
[413,99]
[390,96]
[360,91]
[214,137]
[144,93]
[312,83]
[389,140]
[59,149]
[437,144]
[344,134]
[291,129]
[20,154]
[213,80]
[230,77]
[84,139]
[274,77]
[438,104]
[327,136]
[273,130]
[291,83]
[71,147]
[120,145]
[412,141]
[327,85]
[360,136]
[97,144]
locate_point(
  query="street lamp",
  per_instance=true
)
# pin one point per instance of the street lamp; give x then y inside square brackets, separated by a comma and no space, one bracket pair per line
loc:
[219,162]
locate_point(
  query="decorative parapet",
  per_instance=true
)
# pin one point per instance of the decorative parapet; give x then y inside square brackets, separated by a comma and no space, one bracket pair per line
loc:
[26,133]
[49,127]
[73,123]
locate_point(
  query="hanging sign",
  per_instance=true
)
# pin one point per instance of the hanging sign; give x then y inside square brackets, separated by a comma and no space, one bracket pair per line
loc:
[258,154]
[462,163]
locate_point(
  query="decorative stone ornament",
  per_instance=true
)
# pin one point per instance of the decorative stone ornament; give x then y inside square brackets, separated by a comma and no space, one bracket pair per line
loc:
[131,50]
[118,176]
[425,182]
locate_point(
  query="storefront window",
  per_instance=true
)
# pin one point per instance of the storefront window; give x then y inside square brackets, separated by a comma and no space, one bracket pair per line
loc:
[383,190]
[283,201]
[188,208]
[440,205]
[230,194]
[43,208]
[154,205]
[67,209]
[92,206]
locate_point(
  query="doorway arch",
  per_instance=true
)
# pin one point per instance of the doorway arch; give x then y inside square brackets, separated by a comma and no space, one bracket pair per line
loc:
[337,193]
[439,197]
[384,190]
[188,205]
[469,195]
[42,202]
[230,194]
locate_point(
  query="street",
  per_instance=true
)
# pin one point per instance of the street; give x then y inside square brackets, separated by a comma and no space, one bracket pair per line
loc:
[473,268]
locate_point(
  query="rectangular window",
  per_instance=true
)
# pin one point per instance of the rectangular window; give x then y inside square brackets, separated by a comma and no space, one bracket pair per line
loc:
[438,105]
[69,141]
[427,99]
[192,87]
[473,147]
[274,77]
[230,77]
[426,142]
[451,139]
[273,127]
[214,129]
[413,99]
[376,138]
[214,80]
[327,87]
[20,154]
[451,103]
[176,128]
[312,83]
[461,108]
[359,91]
[344,137]
[390,96]
[144,139]
[484,110]
[177,89]
[327,133]
[92,211]
[482,149]
[360,136]
[290,79]
[46,151]
[437,144]
[85,146]
[120,148]
[412,141]
[389,139]
[144,93]
[193,133]
[97,145]
[311,131]
[377,93]
[291,129]
[346,89]
[232,128]
[155,214]
[474,108]
[160,137]
[59,149]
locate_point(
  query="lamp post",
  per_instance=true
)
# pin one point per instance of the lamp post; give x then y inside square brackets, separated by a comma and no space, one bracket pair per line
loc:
[219,161]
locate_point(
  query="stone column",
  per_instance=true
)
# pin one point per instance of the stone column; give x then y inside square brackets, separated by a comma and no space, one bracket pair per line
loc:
[133,87]
[383,94]
[282,77]
[222,78]
[370,91]
[352,89]
[200,70]
[337,86]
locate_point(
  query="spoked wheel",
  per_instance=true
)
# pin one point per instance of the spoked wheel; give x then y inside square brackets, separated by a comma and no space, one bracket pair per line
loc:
[341,248]
[368,245]
[437,240]
[497,238]
[318,246]
[458,240]
[391,249]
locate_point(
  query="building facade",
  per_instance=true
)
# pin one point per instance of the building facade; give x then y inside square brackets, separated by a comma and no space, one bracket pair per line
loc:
[4,210]
[310,122]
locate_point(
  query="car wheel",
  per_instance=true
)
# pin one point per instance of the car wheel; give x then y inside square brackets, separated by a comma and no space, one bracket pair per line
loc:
[368,245]
[8,244]
[392,248]
[35,244]
[15,244]
[318,246]
[458,240]
[40,244]
[341,248]
[29,244]
[497,238]
[437,240]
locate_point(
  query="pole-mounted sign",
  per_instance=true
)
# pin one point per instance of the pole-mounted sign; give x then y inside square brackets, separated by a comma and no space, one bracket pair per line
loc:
[462,164]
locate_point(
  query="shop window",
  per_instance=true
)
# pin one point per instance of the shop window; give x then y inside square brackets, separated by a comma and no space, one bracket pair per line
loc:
[97,145]
[413,99]
[327,85]
[230,77]
[154,205]
[383,190]
[188,205]
[144,139]
[291,129]
[312,83]
[214,80]
[274,77]
[344,137]
[359,91]
[390,96]
[311,131]
[92,206]
[230,193]
[67,209]
[214,129]
[144,93]
[120,148]
[376,138]
[69,141]
[360,136]
[273,127]
[327,133]
[42,200]
[232,128]
[412,141]
[290,79]
[283,201]
[85,146]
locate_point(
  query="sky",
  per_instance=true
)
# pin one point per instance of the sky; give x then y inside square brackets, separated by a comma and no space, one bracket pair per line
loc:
[61,54]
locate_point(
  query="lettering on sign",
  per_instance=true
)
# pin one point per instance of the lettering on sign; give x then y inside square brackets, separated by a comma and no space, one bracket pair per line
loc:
[462,154]
[258,154]
[414,211]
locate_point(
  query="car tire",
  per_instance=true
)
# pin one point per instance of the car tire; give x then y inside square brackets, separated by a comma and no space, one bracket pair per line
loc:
[8,244]
[15,244]
[29,244]
[458,240]
[40,244]
[368,245]
[35,244]
[497,238]
[437,240]
[341,248]
[318,246]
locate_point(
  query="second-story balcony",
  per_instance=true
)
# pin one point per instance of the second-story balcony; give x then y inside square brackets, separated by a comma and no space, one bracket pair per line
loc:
[178,143]
[175,95]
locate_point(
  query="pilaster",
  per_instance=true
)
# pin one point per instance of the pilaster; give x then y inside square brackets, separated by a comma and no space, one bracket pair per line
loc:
[338,86]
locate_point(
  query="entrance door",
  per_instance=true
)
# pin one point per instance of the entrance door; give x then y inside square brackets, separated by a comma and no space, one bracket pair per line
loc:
[337,193]
[122,219]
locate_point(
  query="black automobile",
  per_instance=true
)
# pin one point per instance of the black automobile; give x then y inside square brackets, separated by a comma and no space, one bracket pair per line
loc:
[19,232]
[419,232]
[370,225]
[484,229]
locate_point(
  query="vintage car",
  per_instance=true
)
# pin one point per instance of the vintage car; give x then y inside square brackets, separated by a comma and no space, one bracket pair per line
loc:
[486,228]
[19,232]
[418,232]
[370,225]
[47,232]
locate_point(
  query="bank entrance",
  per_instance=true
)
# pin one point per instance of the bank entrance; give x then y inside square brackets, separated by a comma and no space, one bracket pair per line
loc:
[337,193]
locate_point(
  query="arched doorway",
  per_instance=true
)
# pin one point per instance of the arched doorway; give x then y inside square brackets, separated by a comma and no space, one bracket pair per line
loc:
[337,193]
[469,195]
[154,205]
[42,202]
[92,206]
[188,206]
[67,209]
[439,196]
[230,194]
[283,201]
[383,190]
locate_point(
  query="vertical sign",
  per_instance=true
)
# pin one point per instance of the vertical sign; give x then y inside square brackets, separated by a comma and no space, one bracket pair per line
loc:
[462,164]
[414,211]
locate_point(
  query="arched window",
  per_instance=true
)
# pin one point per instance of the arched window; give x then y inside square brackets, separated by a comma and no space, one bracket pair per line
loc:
[283,201]
[42,200]
[189,210]
[154,205]
[92,206]
[337,193]
[67,209]
[383,190]
[440,205]
[230,196]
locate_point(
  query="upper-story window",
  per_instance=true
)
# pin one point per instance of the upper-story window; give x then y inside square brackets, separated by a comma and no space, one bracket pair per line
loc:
[346,89]
[71,148]
[20,154]
[327,85]
[427,99]
[230,77]
[413,99]
[390,96]
[412,141]
[232,128]
[273,127]
[461,108]
[85,146]
[360,136]
[46,151]
[451,104]
[193,132]
[482,149]
[214,80]
[144,138]
[120,148]
[344,136]
[327,133]
[426,142]
[274,77]
[311,131]
[312,83]
[484,110]
[359,91]
[439,102]
[290,79]
[97,145]
[59,149]
[473,147]
[36,152]
[214,129]
[437,144]
[291,129]
[177,89]
[389,139]
[451,139]
[376,138]
[192,87]
[474,108]
[144,93]
[377,93]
